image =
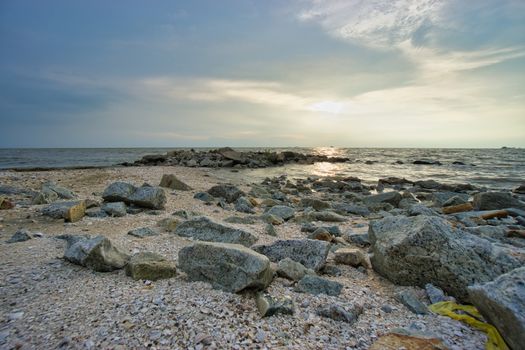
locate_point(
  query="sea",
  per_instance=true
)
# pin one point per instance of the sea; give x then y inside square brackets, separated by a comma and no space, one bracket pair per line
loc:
[502,168]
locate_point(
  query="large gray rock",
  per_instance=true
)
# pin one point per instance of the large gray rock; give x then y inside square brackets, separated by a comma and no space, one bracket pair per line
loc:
[148,197]
[423,249]
[204,229]
[118,192]
[20,236]
[116,209]
[314,203]
[142,232]
[392,197]
[230,193]
[326,215]
[502,303]
[243,205]
[317,285]
[292,270]
[496,200]
[282,211]
[69,211]
[171,181]
[311,253]
[60,191]
[230,267]
[96,253]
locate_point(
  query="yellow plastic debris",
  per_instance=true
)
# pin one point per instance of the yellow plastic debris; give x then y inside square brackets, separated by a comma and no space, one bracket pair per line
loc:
[448,308]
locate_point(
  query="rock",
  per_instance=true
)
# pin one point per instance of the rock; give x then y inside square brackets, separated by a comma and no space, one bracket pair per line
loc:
[96,253]
[118,192]
[230,193]
[407,342]
[338,313]
[321,234]
[244,220]
[392,198]
[519,189]
[311,253]
[269,306]
[61,192]
[331,270]
[420,209]
[116,209]
[150,266]
[282,211]
[44,198]
[171,181]
[169,224]
[435,294]
[6,204]
[20,236]
[457,208]
[351,256]
[423,249]
[317,285]
[204,229]
[142,232]
[314,203]
[243,205]
[326,215]
[496,200]
[205,197]
[231,154]
[410,300]
[456,200]
[351,209]
[148,197]
[502,303]
[360,239]
[230,267]
[272,219]
[69,211]
[293,270]
[426,162]
[270,230]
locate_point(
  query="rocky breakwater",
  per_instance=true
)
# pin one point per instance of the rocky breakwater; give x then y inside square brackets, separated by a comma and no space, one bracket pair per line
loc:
[227,157]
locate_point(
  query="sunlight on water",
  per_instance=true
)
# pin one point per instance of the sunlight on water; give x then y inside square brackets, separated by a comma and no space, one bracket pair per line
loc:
[325,169]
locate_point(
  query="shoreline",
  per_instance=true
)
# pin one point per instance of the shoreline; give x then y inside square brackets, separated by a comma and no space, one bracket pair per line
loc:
[112,310]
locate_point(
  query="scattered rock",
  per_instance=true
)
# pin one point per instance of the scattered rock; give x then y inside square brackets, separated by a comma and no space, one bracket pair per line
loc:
[496,200]
[392,198]
[456,200]
[118,192]
[150,266]
[360,239]
[457,208]
[20,236]
[282,211]
[204,229]
[338,313]
[420,209]
[435,294]
[272,219]
[314,203]
[96,253]
[351,256]
[205,197]
[317,285]
[311,253]
[321,234]
[292,270]
[69,211]
[326,215]
[243,205]
[230,193]
[171,181]
[502,303]
[230,267]
[410,300]
[148,197]
[270,230]
[142,232]
[269,306]
[6,204]
[116,209]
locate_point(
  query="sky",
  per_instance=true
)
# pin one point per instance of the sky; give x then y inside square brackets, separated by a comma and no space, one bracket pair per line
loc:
[272,73]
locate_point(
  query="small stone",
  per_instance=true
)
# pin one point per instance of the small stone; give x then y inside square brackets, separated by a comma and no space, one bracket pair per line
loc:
[169,224]
[351,256]
[115,209]
[20,236]
[292,270]
[321,234]
[435,294]
[282,211]
[410,300]
[142,232]
[150,266]
[317,285]
[269,306]
[13,316]
[270,230]
[338,313]
[272,219]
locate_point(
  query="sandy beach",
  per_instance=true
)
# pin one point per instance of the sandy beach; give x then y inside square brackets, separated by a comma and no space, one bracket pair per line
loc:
[47,302]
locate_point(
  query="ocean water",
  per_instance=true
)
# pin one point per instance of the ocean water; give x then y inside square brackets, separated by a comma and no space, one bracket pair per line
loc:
[492,168]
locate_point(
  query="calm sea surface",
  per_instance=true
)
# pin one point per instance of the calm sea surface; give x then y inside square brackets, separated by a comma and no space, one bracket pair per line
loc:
[493,168]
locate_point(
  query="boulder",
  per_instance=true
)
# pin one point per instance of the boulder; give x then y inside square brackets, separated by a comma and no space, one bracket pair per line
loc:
[148,197]
[392,198]
[351,256]
[272,219]
[231,154]
[171,181]
[326,215]
[311,253]
[502,303]
[20,236]
[448,198]
[282,211]
[269,305]
[410,300]
[142,232]
[243,205]
[317,285]
[205,197]
[427,249]
[230,267]
[116,209]
[292,270]
[204,229]
[321,234]
[96,253]
[314,203]
[420,209]
[118,192]
[496,200]
[61,192]
[150,266]
[69,211]
[230,193]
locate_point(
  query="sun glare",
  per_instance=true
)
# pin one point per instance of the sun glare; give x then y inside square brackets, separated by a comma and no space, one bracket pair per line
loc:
[327,107]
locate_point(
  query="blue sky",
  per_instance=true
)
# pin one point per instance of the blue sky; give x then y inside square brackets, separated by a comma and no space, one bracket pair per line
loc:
[352,73]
